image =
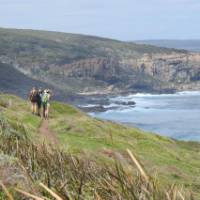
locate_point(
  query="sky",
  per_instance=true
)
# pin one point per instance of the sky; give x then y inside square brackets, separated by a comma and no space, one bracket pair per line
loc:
[119,19]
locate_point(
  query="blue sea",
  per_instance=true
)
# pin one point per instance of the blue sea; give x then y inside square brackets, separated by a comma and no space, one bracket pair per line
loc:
[173,115]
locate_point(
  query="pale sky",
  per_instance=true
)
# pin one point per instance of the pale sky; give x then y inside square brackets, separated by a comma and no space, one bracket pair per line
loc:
[120,19]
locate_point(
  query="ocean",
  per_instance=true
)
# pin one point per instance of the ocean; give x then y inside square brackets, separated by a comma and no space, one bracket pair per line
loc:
[173,115]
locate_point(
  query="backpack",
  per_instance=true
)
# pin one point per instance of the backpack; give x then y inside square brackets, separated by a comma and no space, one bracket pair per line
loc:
[45,98]
[33,96]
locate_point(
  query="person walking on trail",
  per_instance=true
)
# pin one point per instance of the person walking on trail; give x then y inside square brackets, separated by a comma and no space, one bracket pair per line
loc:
[46,102]
[39,101]
[33,99]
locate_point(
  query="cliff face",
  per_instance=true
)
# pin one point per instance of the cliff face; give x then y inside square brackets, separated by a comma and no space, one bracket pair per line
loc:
[174,71]
[151,72]
[84,64]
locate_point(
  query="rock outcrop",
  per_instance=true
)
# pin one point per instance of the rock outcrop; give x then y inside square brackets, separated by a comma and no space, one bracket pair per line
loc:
[151,72]
[92,65]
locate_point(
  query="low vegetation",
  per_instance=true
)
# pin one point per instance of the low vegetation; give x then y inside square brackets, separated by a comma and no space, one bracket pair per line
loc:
[53,47]
[75,64]
[91,160]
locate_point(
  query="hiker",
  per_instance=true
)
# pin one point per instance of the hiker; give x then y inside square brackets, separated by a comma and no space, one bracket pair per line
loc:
[33,100]
[45,102]
[39,101]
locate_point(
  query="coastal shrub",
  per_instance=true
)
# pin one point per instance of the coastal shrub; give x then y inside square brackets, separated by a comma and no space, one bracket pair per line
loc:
[50,168]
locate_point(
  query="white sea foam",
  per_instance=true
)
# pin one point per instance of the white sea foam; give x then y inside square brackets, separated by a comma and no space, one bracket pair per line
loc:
[189,93]
[131,97]
[111,105]
[175,115]
[88,105]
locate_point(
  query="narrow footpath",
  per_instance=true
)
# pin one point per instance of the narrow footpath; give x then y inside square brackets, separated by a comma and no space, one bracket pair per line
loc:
[47,134]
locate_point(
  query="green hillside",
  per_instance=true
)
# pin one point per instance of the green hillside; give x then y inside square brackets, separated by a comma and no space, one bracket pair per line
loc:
[74,132]
[76,63]
[15,82]
[65,47]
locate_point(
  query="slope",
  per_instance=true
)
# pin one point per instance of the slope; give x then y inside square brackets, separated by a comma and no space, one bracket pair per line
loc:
[13,81]
[173,161]
[82,64]
[16,82]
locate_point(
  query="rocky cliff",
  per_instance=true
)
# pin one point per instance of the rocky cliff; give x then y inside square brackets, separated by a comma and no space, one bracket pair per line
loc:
[149,73]
[84,64]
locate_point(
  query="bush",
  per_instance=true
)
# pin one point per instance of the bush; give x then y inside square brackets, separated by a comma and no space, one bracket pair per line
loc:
[79,177]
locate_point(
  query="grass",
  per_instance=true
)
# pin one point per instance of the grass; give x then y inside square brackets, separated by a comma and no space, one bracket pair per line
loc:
[69,177]
[18,113]
[54,46]
[98,141]
[43,56]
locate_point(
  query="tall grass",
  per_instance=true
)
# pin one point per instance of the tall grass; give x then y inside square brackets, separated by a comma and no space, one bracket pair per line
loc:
[55,174]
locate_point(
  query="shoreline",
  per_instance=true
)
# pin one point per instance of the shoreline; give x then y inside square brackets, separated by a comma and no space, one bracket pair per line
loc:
[103,103]
[172,115]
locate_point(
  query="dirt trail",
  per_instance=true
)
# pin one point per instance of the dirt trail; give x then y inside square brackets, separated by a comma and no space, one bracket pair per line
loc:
[48,134]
